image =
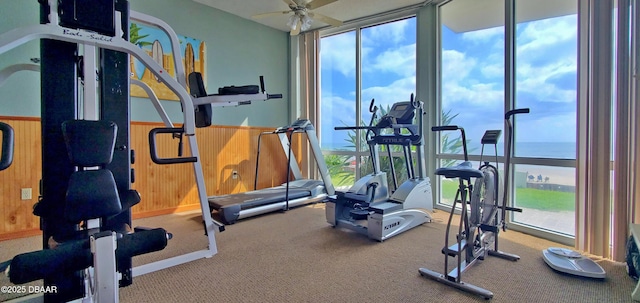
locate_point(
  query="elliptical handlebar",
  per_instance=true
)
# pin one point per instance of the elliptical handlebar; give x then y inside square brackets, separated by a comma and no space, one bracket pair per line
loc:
[453,128]
[444,127]
[372,108]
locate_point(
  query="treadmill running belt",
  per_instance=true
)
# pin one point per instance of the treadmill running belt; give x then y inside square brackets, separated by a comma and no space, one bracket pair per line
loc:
[257,198]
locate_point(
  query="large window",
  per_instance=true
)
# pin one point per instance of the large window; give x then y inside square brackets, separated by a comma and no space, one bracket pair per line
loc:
[369,63]
[472,92]
[546,81]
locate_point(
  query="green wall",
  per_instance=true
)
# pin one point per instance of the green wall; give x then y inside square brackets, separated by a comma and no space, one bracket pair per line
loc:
[238,52]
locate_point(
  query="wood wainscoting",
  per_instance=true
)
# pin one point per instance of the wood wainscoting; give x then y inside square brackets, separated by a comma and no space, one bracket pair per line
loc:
[164,188]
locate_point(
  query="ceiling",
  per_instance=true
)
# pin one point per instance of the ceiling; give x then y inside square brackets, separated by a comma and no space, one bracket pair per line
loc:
[486,13]
[343,10]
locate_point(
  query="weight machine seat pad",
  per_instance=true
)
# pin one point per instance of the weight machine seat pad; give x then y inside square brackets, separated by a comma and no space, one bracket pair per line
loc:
[463,170]
[89,143]
[76,255]
[91,194]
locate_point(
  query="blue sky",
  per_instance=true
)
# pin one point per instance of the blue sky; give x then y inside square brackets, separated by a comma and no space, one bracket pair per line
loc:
[472,76]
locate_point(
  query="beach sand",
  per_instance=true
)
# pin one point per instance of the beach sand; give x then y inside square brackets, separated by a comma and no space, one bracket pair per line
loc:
[547,174]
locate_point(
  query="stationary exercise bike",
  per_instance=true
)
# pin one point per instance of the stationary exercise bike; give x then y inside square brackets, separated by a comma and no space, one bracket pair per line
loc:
[482,215]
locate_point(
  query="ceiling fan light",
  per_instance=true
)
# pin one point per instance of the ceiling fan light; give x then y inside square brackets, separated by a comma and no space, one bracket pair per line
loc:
[306,22]
[292,22]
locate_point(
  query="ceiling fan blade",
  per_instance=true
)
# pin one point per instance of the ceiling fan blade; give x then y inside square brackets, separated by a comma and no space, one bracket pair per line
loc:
[318,3]
[325,19]
[296,30]
[270,14]
[290,3]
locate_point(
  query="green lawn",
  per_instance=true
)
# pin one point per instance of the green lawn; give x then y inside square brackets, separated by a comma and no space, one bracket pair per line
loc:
[547,200]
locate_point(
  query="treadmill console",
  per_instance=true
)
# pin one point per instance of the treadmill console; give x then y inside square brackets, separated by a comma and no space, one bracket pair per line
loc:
[300,124]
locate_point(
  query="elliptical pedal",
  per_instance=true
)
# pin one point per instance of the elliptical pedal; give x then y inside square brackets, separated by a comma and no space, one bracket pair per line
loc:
[454,250]
[359,214]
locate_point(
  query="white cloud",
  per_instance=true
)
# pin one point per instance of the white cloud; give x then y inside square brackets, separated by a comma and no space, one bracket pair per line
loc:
[389,33]
[339,53]
[400,60]
[456,66]
[535,80]
[536,37]
[398,90]
[337,110]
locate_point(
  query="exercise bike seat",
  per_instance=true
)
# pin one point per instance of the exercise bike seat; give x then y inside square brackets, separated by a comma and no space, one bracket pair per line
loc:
[463,170]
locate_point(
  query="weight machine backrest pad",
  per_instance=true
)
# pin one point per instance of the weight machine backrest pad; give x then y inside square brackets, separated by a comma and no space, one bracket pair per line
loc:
[204,114]
[89,143]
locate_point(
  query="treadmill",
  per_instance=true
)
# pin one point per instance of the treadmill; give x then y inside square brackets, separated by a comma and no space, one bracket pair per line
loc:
[296,192]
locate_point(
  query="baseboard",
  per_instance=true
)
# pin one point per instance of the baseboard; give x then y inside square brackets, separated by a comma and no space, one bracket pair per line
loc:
[20,234]
[37,232]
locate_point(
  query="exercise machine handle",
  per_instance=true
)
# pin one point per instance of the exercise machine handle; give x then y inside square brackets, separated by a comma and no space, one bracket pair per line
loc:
[354,127]
[263,90]
[152,147]
[7,146]
[507,161]
[515,112]
[444,127]
[372,107]
[454,127]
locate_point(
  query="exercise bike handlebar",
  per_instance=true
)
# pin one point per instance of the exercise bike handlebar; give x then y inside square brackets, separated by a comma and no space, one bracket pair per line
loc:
[454,127]
[510,113]
[507,163]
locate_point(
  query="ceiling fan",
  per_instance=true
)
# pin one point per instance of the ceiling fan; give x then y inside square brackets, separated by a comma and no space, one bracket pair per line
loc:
[302,14]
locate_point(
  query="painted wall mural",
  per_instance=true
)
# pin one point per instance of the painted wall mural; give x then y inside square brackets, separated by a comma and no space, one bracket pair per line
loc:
[157,44]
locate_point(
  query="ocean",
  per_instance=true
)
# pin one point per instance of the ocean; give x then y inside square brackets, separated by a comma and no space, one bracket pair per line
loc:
[554,150]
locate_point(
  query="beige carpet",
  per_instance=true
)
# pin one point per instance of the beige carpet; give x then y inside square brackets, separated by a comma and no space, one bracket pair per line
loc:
[297,257]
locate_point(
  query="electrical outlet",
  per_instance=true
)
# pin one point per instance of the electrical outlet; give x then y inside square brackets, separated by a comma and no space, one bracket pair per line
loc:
[25,194]
[234,174]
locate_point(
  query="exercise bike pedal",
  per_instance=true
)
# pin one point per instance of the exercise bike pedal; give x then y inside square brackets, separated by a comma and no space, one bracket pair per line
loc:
[453,251]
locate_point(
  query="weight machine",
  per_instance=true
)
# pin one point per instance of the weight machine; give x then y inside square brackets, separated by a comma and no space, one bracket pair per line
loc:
[70,30]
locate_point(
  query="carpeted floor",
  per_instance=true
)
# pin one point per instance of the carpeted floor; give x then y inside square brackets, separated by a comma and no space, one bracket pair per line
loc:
[296,256]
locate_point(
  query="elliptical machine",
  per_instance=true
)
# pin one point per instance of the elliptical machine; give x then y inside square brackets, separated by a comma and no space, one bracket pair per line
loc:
[482,215]
[366,207]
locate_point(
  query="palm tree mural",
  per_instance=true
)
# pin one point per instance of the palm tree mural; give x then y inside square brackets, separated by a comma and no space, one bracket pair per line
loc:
[137,39]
